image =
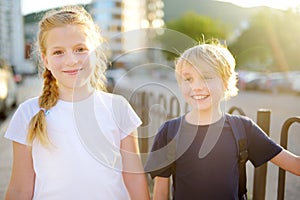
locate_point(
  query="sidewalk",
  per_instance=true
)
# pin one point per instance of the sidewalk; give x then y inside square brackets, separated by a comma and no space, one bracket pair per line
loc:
[5,160]
[29,88]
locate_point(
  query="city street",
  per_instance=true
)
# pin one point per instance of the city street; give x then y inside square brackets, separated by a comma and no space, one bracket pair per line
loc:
[29,88]
[282,106]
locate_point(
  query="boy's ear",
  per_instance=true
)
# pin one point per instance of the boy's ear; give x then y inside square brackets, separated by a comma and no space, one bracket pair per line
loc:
[225,85]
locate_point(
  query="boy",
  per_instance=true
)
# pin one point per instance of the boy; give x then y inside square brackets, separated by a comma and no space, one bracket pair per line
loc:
[205,162]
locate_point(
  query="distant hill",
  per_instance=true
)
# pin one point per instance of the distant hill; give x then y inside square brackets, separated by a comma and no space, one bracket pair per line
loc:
[223,11]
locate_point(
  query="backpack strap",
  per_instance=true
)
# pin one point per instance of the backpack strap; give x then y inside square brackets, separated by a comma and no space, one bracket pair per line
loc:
[239,133]
[172,133]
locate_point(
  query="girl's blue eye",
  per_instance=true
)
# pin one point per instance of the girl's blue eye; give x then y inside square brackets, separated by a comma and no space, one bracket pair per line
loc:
[188,79]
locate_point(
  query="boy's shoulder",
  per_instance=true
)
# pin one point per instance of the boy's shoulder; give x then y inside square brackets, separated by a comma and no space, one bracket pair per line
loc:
[243,118]
[175,120]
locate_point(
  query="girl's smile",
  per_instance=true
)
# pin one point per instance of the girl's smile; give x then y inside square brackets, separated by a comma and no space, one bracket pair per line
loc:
[73,72]
[68,57]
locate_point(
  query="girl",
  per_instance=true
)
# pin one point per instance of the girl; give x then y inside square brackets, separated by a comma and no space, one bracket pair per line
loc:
[75,141]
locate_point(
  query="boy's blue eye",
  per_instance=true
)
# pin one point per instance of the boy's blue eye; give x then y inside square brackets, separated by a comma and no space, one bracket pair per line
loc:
[81,49]
[208,77]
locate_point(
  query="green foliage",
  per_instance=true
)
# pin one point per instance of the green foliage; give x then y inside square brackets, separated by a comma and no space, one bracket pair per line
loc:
[196,28]
[270,43]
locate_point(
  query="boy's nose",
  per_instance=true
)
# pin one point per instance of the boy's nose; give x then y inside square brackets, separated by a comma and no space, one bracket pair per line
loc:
[199,84]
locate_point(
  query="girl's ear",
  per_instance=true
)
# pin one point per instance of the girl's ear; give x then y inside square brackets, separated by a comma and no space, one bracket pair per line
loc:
[45,60]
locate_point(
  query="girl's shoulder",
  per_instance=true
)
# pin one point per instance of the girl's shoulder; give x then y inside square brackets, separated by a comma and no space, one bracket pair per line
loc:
[30,104]
[109,98]
[28,108]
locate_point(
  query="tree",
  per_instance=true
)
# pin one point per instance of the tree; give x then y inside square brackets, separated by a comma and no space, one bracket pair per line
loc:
[270,42]
[195,27]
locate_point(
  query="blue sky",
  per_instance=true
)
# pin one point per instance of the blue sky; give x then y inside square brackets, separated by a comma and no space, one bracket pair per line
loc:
[29,6]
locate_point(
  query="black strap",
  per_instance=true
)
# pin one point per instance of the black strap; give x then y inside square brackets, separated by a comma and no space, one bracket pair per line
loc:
[239,133]
[173,128]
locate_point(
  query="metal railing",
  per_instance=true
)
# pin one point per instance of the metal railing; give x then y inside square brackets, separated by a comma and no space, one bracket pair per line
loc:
[154,109]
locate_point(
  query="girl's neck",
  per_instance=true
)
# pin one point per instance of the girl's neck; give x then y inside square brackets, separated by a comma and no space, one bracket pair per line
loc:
[77,94]
[203,118]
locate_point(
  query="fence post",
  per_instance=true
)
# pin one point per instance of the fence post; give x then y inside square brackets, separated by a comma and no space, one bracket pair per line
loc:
[260,173]
[143,141]
[283,143]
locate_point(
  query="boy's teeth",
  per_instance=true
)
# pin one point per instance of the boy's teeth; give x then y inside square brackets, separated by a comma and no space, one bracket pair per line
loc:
[199,97]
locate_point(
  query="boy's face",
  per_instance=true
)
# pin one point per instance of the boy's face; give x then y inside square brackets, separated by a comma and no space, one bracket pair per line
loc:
[201,87]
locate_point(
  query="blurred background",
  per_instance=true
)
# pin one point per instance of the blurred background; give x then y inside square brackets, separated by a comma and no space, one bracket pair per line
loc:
[262,35]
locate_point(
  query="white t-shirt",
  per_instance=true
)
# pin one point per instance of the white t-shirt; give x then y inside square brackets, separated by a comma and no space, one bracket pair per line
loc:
[83,161]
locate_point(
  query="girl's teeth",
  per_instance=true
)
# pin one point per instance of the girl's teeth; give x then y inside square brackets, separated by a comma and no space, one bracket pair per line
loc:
[199,97]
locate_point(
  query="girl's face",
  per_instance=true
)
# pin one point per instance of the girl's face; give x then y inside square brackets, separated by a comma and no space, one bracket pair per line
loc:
[68,54]
[201,87]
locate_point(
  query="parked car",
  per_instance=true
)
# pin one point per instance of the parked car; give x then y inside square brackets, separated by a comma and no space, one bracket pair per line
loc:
[8,89]
[295,80]
[249,80]
[276,82]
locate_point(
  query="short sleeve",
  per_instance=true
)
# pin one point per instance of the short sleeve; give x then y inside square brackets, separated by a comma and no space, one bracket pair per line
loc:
[261,147]
[126,118]
[18,127]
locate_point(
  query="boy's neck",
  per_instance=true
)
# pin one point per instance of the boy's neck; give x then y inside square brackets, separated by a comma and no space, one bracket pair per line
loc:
[203,118]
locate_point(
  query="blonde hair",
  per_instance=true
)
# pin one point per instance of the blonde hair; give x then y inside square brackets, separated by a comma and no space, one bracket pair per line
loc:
[218,57]
[68,15]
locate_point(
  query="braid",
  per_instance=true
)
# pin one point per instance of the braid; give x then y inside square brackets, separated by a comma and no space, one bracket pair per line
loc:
[48,99]
[50,94]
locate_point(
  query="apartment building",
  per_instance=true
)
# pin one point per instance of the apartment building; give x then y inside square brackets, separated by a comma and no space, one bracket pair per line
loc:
[123,24]
[12,47]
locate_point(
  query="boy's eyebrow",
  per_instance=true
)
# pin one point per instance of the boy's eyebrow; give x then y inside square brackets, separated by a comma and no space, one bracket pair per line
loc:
[185,73]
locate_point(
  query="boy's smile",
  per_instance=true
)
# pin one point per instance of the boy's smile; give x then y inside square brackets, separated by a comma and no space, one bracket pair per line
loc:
[199,97]
[201,87]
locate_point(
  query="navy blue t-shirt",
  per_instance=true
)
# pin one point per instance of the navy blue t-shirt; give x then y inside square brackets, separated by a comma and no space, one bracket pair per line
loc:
[214,176]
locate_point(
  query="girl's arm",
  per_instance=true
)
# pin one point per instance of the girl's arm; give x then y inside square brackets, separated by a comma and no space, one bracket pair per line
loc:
[133,171]
[287,161]
[161,188]
[21,184]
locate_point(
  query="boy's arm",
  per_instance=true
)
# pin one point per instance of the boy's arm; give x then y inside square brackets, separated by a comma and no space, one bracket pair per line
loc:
[133,171]
[22,180]
[161,188]
[287,161]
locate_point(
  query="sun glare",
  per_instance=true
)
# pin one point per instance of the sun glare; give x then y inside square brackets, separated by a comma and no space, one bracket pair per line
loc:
[279,4]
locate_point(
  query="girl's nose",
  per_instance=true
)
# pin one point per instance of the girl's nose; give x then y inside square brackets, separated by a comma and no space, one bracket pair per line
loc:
[71,59]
